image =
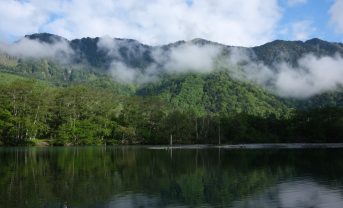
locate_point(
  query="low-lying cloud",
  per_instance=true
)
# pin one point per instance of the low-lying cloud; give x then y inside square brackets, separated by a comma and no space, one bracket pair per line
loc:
[192,58]
[123,73]
[27,48]
[183,58]
[312,75]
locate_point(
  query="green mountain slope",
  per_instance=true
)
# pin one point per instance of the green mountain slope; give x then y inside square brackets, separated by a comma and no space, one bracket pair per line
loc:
[79,102]
[216,92]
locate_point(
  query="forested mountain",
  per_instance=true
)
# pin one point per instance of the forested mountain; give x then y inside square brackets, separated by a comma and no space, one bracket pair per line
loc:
[290,51]
[136,54]
[214,93]
[92,59]
[104,90]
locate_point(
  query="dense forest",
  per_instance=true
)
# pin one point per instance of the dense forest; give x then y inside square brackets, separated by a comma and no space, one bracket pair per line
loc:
[45,101]
[84,114]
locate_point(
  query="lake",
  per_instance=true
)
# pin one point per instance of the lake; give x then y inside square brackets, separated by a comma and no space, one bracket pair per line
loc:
[141,176]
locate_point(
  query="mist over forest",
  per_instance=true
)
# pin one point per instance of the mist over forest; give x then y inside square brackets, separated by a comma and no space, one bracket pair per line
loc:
[111,90]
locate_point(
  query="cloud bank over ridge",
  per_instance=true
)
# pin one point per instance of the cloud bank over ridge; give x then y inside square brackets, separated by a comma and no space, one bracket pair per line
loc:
[58,50]
[311,75]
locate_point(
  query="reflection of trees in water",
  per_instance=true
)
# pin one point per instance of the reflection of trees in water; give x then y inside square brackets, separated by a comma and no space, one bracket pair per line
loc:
[89,177]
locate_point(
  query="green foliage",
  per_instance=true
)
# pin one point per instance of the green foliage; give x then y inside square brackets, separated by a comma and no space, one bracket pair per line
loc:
[80,104]
[24,111]
[215,93]
[86,115]
[8,78]
[82,115]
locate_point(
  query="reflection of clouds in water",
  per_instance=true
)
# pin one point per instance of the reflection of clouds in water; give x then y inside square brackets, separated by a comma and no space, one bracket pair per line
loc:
[309,194]
[295,194]
[135,200]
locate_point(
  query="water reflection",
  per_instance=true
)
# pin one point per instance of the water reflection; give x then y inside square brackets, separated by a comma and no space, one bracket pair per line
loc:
[135,200]
[293,194]
[142,177]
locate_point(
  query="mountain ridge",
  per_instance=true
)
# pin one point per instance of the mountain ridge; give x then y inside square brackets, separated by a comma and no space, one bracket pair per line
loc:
[44,36]
[92,64]
[269,53]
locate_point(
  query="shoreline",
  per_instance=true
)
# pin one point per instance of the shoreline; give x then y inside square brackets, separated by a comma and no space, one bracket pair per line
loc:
[207,146]
[256,146]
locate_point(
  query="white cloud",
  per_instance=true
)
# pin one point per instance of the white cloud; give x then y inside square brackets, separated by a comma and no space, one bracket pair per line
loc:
[296,2]
[192,58]
[233,22]
[122,73]
[313,75]
[337,15]
[25,48]
[19,18]
[302,30]
[183,58]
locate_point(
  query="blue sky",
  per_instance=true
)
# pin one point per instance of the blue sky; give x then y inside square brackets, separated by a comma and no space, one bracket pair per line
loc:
[233,22]
[316,12]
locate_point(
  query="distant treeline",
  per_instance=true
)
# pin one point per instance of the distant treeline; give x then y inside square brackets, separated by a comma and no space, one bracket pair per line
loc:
[84,115]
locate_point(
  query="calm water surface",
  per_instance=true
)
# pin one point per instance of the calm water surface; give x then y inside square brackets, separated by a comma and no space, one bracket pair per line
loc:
[143,177]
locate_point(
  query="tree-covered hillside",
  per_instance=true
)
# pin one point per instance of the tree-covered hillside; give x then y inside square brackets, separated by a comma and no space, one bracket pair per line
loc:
[73,96]
[216,93]
[289,51]
[82,114]
[90,62]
